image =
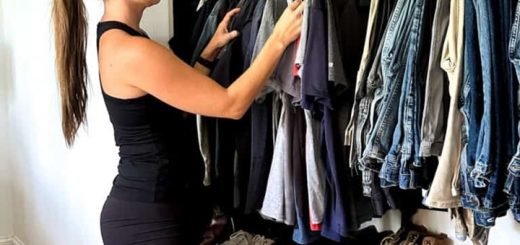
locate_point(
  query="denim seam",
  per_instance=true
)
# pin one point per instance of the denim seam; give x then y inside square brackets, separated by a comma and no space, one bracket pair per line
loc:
[375,151]
[392,27]
[514,34]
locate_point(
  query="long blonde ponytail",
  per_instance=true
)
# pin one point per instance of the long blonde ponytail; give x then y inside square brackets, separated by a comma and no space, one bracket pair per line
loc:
[70,33]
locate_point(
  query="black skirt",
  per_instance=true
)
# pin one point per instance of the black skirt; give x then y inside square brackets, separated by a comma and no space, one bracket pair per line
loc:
[130,222]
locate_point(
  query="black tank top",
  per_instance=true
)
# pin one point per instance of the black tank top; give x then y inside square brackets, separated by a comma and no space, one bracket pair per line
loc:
[159,158]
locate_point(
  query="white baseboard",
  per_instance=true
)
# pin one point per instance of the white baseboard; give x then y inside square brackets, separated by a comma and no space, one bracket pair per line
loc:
[11,241]
[6,241]
[17,241]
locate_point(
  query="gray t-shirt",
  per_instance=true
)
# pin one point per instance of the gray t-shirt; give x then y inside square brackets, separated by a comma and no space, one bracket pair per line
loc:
[315,170]
[282,78]
[278,203]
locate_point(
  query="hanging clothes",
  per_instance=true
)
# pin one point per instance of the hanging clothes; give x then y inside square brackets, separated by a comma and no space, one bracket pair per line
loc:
[233,138]
[315,169]
[205,126]
[278,203]
[261,128]
[185,18]
[484,167]
[272,11]
[443,192]
[512,186]
[434,113]
[427,92]
[363,115]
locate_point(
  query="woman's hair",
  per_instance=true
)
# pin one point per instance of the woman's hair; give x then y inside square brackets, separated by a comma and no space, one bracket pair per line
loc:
[70,33]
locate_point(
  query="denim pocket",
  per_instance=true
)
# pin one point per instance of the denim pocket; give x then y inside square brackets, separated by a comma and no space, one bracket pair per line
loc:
[390,171]
[513,176]
[514,167]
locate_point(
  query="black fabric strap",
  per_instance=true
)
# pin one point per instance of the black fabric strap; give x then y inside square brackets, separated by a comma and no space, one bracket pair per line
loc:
[109,25]
[206,63]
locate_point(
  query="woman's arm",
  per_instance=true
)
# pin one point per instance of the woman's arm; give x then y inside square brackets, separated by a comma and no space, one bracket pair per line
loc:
[152,68]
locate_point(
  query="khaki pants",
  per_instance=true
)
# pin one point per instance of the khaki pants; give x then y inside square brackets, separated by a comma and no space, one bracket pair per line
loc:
[444,191]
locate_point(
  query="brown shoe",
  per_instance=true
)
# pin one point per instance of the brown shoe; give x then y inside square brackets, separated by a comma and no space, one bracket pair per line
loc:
[441,239]
[412,238]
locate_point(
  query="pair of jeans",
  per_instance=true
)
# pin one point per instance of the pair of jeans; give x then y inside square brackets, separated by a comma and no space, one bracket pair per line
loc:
[368,82]
[465,226]
[404,152]
[367,78]
[367,117]
[393,61]
[380,11]
[484,166]
[361,77]
[512,186]
[471,106]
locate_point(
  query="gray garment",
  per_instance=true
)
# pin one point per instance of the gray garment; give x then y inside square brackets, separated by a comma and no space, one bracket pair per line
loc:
[277,113]
[366,121]
[284,74]
[278,202]
[300,49]
[208,30]
[300,53]
[368,49]
[282,78]
[202,128]
[202,134]
[434,116]
[315,169]
[336,70]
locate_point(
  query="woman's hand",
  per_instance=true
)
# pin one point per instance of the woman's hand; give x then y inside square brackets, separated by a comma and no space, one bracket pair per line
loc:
[288,27]
[221,37]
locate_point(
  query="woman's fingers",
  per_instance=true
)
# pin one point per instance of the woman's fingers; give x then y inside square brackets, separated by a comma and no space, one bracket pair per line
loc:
[229,16]
[295,4]
[231,35]
[299,10]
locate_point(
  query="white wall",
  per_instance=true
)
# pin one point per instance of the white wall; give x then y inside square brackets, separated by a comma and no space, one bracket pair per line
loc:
[6,211]
[58,192]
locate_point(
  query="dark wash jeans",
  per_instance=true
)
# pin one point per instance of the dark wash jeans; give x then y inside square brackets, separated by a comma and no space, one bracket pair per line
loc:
[512,186]
[489,109]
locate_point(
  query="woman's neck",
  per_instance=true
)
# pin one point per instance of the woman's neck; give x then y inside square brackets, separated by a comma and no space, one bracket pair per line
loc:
[124,11]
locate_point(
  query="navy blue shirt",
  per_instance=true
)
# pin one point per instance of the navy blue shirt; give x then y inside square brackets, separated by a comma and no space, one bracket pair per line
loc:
[317,97]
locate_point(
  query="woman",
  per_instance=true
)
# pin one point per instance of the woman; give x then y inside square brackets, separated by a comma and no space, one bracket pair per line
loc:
[142,83]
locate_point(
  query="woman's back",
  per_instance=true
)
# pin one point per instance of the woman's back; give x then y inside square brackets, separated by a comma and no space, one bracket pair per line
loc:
[157,148]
